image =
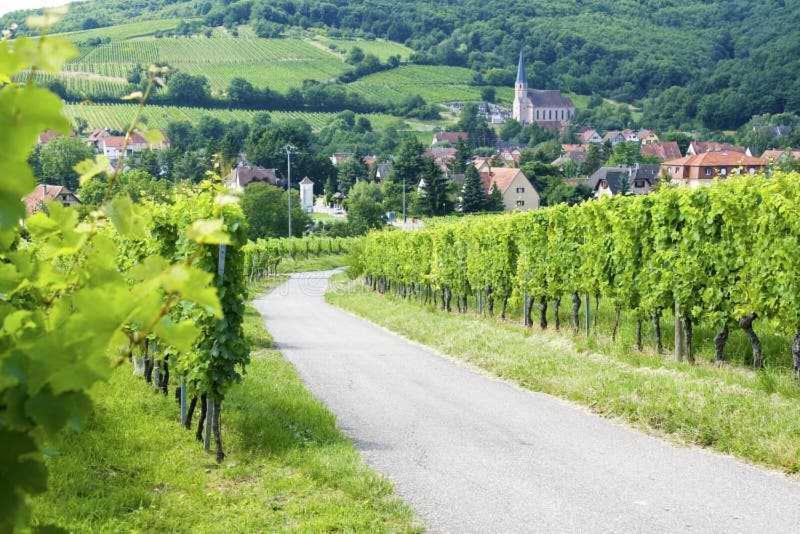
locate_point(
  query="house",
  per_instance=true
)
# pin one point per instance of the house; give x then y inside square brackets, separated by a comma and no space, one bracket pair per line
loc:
[482,164]
[647,137]
[548,108]
[664,151]
[44,193]
[443,156]
[116,146]
[449,138]
[775,155]
[94,138]
[242,175]
[571,152]
[701,169]
[340,157]
[518,192]
[629,136]
[633,180]
[511,157]
[701,147]
[381,171]
[589,135]
[614,137]
[47,136]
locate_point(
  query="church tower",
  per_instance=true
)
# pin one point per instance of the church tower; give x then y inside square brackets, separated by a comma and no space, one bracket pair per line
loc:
[522,110]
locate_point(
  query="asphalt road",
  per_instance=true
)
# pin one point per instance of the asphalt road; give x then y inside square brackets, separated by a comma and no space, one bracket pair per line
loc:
[475,454]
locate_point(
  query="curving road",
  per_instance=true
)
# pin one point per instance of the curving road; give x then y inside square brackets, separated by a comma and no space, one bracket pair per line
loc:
[474,454]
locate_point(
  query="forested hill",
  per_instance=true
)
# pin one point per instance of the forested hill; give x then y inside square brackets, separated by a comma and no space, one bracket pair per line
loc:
[690,62]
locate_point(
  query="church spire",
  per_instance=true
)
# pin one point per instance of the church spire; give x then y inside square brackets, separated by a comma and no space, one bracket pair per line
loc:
[522,78]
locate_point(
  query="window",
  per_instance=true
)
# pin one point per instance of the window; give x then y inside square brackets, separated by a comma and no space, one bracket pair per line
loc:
[520,190]
[709,171]
[638,183]
[752,170]
[723,171]
[520,203]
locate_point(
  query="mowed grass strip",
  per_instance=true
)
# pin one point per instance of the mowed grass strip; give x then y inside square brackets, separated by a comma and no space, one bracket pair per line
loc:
[726,408]
[289,469]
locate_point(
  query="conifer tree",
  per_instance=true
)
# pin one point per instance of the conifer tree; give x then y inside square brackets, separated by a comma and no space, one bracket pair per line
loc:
[473,196]
[495,200]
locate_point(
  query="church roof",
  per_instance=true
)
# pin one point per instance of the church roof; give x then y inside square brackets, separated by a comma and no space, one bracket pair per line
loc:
[549,98]
[522,77]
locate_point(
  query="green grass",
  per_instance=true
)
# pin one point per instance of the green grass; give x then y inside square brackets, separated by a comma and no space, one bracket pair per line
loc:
[381,48]
[119,116]
[320,263]
[434,83]
[755,416]
[289,469]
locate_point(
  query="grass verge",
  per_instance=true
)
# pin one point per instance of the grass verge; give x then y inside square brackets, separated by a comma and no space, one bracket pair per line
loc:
[319,263]
[289,469]
[755,416]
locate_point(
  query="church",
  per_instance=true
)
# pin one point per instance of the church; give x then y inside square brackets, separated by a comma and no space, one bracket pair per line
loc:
[547,108]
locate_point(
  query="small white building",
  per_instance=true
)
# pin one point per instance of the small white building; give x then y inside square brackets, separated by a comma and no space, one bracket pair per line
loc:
[307,195]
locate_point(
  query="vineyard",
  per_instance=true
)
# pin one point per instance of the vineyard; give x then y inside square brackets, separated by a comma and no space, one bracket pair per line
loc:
[262,257]
[380,48]
[119,116]
[721,258]
[433,83]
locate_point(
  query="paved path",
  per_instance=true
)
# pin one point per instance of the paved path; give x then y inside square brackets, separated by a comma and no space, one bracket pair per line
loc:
[474,454]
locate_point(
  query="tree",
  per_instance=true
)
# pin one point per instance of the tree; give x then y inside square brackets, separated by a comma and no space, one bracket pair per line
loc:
[463,155]
[355,56]
[488,94]
[266,209]
[471,121]
[473,196]
[58,158]
[511,129]
[187,89]
[241,91]
[495,200]
[365,207]
[433,192]
[350,172]
[406,172]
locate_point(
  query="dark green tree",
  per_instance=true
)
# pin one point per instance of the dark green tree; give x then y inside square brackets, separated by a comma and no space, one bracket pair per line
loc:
[473,195]
[433,195]
[266,209]
[495,202]
[58,158]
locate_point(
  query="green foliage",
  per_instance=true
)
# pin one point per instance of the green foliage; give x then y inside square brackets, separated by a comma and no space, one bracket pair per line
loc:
[473,196]
[81,296]
[721,253]
[57,160]
[263,256]
[266,209]
[365,207]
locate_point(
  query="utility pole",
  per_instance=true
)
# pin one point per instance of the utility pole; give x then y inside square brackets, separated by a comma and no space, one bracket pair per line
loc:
[404,199]
[289,149]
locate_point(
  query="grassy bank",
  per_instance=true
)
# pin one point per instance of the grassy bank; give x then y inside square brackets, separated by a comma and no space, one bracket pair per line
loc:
[288,466]
[320,263]
[753,415]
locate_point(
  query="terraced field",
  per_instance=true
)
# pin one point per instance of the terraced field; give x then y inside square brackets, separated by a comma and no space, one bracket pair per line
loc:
[434,83]
[378,47]
[119,116]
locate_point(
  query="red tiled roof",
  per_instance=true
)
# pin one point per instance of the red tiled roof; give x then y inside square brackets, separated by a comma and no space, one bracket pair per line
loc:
[450,137]
[776,154]
[43,193]
[502,176]
[666,150]
[714,146]
[718,159]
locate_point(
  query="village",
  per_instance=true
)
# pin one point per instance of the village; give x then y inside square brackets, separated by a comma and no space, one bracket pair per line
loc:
[587,159]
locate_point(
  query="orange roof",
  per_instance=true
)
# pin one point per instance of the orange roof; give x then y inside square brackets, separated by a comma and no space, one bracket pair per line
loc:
[776,154]
[43,193]
[715,159]
[501,176]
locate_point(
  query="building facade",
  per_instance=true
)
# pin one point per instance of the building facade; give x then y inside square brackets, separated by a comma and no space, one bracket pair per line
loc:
[547,108]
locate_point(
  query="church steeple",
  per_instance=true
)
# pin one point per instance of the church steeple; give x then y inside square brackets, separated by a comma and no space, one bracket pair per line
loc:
[522,78]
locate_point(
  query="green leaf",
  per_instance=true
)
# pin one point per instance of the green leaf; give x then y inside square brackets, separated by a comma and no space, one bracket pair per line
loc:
[180,335]
[88,169]
[208,232]
[131,220]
